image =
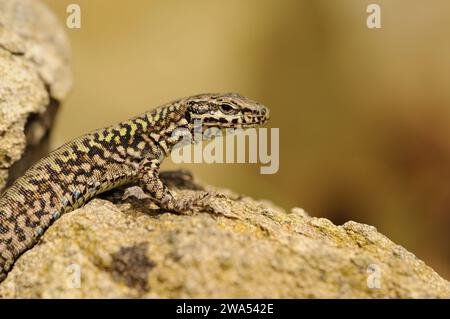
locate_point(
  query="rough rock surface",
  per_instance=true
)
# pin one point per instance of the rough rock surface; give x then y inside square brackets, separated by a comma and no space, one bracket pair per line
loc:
[232,246]
[34,77]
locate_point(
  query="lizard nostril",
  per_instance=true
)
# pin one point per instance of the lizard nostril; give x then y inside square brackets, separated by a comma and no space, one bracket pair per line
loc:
[265,113]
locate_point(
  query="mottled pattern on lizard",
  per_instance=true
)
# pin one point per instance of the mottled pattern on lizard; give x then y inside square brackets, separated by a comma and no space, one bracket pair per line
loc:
[126,153]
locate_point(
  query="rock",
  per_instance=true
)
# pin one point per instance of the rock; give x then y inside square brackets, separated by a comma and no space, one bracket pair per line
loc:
[34,78]
[230,247]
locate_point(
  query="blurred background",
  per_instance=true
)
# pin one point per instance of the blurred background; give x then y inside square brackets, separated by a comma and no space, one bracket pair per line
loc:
[363,113]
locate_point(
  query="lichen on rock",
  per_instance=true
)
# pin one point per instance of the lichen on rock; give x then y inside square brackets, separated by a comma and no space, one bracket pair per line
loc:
[230,247]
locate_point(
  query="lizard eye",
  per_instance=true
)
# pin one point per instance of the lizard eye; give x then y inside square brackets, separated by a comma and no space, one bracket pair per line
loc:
[225,108]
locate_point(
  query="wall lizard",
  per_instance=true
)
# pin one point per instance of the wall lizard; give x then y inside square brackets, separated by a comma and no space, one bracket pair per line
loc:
[126,153]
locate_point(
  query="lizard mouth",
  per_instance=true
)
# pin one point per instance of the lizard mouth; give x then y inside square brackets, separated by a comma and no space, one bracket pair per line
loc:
[257,120]
[236,121]
[253,122]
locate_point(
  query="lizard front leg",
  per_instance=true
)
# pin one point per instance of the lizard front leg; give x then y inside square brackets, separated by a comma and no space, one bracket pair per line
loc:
[150,182]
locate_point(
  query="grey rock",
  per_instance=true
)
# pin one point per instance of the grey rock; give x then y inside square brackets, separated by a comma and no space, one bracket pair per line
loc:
[231,247]
[35,77]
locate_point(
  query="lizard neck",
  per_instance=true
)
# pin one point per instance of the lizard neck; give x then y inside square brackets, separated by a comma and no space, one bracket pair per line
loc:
[163,128]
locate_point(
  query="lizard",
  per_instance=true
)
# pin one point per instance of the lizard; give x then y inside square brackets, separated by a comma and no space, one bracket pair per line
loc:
[129,152]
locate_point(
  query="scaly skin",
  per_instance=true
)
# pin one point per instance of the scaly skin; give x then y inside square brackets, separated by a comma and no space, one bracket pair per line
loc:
[126,153]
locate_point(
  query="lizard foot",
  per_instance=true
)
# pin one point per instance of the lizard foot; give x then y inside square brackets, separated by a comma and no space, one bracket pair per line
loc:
[187,202]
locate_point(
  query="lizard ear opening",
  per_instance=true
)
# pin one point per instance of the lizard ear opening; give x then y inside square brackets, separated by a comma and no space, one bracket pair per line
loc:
[187,115]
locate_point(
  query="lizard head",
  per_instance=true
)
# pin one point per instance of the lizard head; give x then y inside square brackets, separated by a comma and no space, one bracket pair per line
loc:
[228,110]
